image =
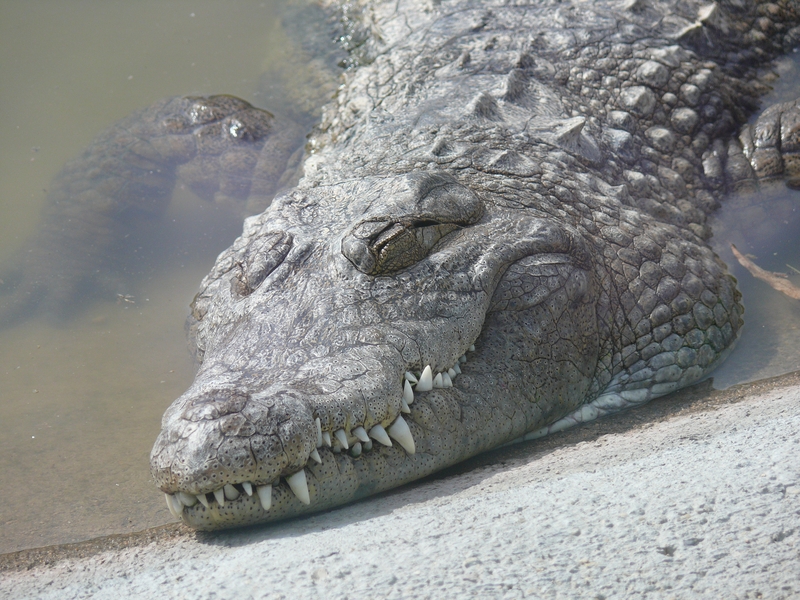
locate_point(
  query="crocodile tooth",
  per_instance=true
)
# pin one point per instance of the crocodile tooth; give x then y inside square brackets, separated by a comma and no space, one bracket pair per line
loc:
[342,437]
[361,434]
[231,493]
[408,393]
[299,485]
[315,455]
[326,438]
[462,359]
[452,373]
[404,406]
[457,369]
[174,505]
[319,431]
[425,380]
[203,500]
[399,431]
[355,451]
[446,381]
[186,499]
[220,496]
[410,377]
[438,382]
[472,348]
[378,433]
[368,446]
[248,488]
[265,495]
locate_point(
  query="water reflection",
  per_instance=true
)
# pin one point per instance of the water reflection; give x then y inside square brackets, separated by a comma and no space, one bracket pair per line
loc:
[81,402]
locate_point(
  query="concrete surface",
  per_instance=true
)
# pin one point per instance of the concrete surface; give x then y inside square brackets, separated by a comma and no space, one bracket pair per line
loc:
[689,498]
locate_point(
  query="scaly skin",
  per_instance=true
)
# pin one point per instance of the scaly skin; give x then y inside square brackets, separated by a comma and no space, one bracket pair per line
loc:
[530,180]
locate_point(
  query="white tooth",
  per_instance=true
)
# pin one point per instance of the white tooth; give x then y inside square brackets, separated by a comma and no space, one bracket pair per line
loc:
[438,382]
[315,455]
[220,496]
[319,432]
[404,406]
[265,495]
[368,446]
[410,377]
[203,500]
[361,434]
[186,499]
[355,451]
[457,369]
[378,433]
[446,381]
[299,486]
[452,373]
[462,359]
[174,505]
[472,348]
[399,431]
[342,437]
[408,393]
[248,488]
[231,493]
[425,380]
[326,438]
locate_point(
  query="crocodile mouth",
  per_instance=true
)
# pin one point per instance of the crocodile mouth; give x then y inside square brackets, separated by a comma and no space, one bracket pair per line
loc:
[249,501]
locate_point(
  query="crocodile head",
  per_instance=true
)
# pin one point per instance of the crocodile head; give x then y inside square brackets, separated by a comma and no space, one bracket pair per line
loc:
[363,335]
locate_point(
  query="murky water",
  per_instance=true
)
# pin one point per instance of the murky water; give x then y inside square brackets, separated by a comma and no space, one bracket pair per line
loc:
[81,402]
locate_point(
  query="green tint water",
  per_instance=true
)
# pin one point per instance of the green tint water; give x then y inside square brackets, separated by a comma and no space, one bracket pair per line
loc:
[81,402]
[765,226]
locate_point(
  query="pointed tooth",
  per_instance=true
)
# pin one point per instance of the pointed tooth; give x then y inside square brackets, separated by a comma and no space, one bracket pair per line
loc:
[410,377]
[186,499]
[264,493]
[368,446]
[355,451]
[203,500]
[400,432]
[462,359]
[452,373]
[342,437]
[446,381]
[378,433]
[404,406]
[220,496]
[361,434]
[326,438]
[248,488]
[319,431]
[315,455]
[472,348]
[425,380]
[231,493]
[457,369]
[408,393]
[438,382]
[172,502]
[299,485]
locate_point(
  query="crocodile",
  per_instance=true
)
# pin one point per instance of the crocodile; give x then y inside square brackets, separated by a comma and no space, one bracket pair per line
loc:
[500,232]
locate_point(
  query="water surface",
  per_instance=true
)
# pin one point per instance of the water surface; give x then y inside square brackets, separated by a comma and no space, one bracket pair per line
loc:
[81,401]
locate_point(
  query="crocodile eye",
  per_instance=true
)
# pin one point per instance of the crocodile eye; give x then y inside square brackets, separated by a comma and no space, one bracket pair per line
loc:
[383,245]
[261,259]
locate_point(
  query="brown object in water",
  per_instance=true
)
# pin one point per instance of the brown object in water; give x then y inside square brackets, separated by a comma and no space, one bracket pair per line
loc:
[777,281]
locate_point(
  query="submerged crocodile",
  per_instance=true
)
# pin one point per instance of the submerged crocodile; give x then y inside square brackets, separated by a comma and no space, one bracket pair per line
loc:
[500,232]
